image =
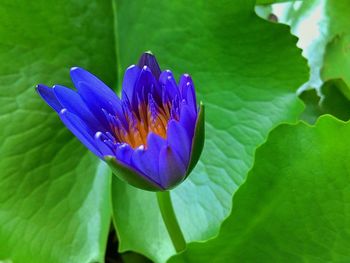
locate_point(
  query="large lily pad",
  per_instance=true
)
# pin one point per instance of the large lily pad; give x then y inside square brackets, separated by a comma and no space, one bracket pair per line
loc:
[53,193]
[293,206]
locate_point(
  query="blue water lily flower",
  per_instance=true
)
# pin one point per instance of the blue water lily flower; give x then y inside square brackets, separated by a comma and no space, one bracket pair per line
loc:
[152,137]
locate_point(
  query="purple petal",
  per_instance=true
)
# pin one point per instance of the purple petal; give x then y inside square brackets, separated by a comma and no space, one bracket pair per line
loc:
[129,81]
[141,161]
[49,97]
[171,168]
[168,84]
[146,163]
[147,160]
[154,144]
[188,92]
[80,130]
[188,120]
[146,84]
[124,153]
[71,100]
[149,60]
[99,105]
[179,140]
[102,144]
[94,92]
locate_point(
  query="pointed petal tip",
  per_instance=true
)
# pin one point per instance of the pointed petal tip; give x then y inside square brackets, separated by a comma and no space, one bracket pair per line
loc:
[74,68]
[48,95]
[145,69]
[166,75]
[185,79]
[76,72]
[131,67]
[61,88]
[63,111]
[140,148]
[98,135]
[79,74]
[148,59]
[40,88]
[149,52]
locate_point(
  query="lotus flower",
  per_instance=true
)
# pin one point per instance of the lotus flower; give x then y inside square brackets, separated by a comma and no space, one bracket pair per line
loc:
[152,137]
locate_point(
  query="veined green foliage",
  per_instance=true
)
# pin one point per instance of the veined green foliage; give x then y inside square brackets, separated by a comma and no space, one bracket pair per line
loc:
[293,206]
[53,193]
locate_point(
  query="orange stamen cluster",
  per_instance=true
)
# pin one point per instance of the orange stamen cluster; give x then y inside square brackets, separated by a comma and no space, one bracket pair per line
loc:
[143,123]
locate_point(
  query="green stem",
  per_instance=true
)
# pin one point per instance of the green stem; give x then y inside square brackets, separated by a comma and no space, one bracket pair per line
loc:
[169,218]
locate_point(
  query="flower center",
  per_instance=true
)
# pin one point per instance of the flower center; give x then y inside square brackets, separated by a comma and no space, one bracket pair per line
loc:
[148,118]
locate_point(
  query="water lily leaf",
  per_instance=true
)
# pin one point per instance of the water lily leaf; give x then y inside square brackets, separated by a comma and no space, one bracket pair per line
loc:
[324,35]
[52,192]
[337,59]
[310,24]
[247,83]
[312,106]
[333,101]
[337,54]
[292,208]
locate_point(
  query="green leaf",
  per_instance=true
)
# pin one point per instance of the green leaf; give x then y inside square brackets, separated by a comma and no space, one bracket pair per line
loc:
[312,106]
[336,100]
[337,55]
[324,35]
[333,101]
[293,206]
[309,24]
[139,223]
[53,193]
[337,58]
[247,83]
